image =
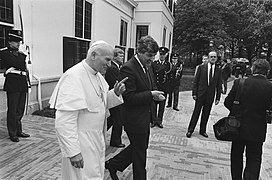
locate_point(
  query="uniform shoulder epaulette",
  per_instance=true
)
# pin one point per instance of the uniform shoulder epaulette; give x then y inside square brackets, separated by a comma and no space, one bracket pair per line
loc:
[2,49]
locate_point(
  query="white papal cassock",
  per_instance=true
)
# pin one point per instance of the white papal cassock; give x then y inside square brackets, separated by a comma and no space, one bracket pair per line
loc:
[82,100]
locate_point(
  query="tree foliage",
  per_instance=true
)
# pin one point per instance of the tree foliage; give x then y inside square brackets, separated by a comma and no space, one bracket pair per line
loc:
[240,25]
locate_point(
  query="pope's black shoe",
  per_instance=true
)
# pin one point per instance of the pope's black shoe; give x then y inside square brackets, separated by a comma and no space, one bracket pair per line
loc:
[23,135]
[14,139]
[111,170]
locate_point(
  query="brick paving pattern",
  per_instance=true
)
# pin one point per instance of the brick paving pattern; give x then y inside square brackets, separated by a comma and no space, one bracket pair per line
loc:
[171,156]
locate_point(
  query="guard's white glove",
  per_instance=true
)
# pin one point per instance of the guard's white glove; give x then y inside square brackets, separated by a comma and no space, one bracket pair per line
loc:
[29,90]
[9,70]
[23,48]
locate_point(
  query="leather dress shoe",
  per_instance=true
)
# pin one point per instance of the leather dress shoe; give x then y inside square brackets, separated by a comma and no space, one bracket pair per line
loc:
[168,106]
[160,125]
[204,134]
[14,139]
[23,135]
[152,125]
[176,109]
[118,145]
[111,170]
[189,134]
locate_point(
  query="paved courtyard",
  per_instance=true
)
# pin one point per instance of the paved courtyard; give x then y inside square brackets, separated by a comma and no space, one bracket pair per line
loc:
[171,156]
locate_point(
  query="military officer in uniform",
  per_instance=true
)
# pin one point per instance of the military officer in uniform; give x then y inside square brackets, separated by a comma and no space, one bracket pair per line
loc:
[16,84]
[161,68]
[174,81]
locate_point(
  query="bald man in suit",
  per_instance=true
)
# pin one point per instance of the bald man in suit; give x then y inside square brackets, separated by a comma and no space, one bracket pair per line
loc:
[207,84]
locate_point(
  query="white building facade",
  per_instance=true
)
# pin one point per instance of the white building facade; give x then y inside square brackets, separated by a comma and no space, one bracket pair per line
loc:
[58,33]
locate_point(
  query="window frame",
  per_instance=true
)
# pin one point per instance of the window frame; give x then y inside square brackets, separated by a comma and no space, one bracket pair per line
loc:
[137,37]
[123,36]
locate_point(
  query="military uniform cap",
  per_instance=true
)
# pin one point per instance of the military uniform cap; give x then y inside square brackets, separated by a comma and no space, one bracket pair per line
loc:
[174,55]
[15,35]
[163,50]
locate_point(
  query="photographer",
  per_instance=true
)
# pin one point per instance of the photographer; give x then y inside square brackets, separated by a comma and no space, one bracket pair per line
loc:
[254,101]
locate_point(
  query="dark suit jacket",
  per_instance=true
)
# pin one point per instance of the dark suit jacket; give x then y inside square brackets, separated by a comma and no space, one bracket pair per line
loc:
[112,75]
[201,87]
[255,99]
[14,82]
[137,97]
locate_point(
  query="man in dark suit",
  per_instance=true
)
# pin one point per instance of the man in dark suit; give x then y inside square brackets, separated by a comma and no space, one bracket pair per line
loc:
[173,78]
[226,73]
[161,67]
[115,119]
[16,84]
[207,83]
[138,97]
[255,100]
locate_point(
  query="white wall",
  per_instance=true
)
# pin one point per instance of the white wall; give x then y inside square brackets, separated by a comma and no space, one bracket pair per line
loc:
[45,24]
[107,22]
[158,16]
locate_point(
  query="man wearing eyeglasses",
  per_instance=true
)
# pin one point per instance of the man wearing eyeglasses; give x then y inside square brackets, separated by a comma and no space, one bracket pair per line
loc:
[207,84]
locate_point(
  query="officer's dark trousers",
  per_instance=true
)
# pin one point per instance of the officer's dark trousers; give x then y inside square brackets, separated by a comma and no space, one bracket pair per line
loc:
[173,91]
[253,160]
[202,103]
[135,153]
[16,106]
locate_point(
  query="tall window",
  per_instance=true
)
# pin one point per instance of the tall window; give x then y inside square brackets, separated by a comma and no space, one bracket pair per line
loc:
[88,20]
[141,30]
[163,36]
[6,11]
[170,38]
[6,15]
[75,49]
[79,19]
[83,19]
[123,33]
[170,5]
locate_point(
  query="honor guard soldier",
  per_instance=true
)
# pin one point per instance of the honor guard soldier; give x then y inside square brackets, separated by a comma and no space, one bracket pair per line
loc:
[16,84]
[174,81]
[161,68]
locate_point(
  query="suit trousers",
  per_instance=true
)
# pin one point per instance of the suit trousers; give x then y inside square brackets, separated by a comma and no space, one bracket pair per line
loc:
[16,106]
[115,120]
[135,153]
[202,103]
[253,160]
[173,91]
[157,113]
[225,86]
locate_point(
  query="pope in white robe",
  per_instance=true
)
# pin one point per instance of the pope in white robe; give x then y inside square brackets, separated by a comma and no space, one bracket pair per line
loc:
[82,100]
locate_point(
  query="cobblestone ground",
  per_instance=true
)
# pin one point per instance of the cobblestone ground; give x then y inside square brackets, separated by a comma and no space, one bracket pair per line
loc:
[171,156]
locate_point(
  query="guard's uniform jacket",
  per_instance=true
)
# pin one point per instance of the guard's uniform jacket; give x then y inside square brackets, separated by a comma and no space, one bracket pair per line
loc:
[16,81]
[174,82]
[175,75]
[160,72]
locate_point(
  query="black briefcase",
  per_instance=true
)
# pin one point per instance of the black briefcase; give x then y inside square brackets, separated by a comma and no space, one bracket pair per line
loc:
[227,129]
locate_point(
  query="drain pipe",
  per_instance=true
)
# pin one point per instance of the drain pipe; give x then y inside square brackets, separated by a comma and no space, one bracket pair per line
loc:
[39,91]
